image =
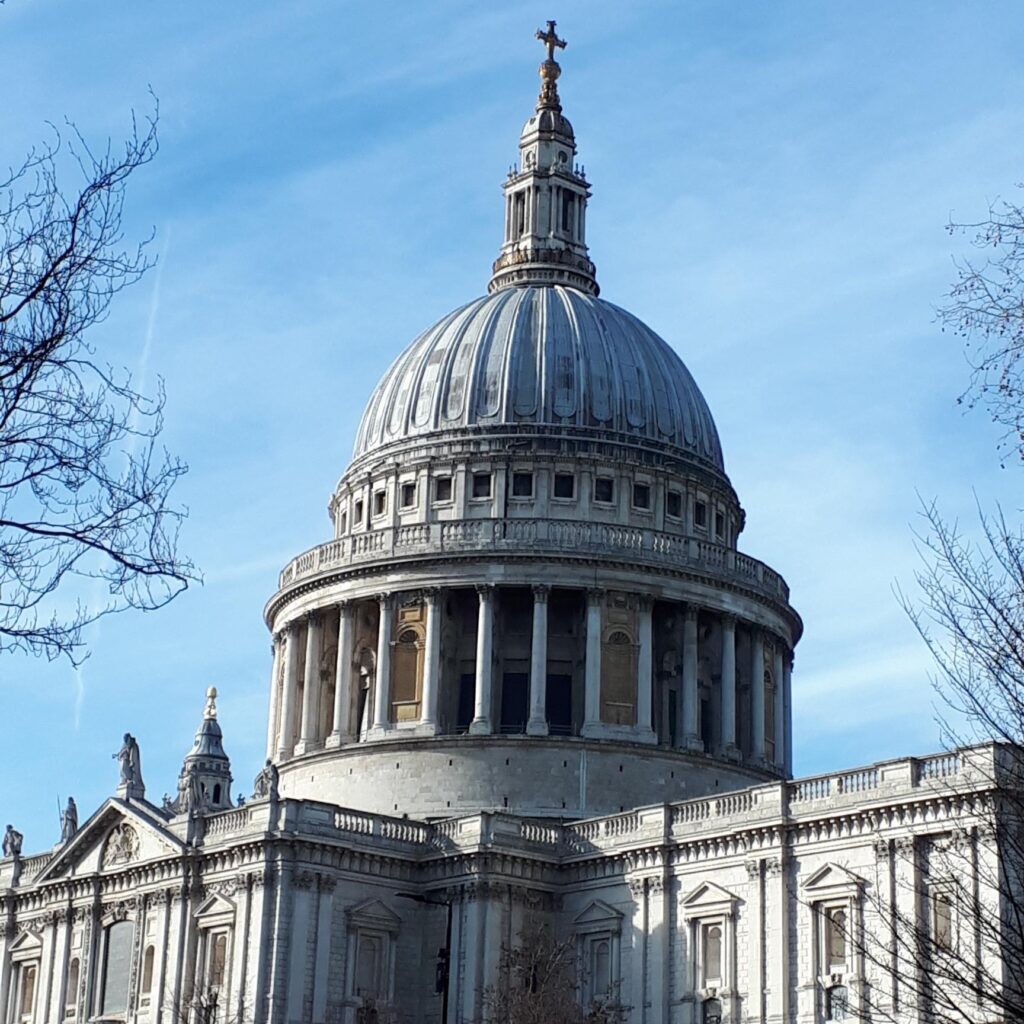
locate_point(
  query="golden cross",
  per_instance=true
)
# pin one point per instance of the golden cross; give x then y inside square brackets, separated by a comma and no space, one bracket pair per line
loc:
[550,40]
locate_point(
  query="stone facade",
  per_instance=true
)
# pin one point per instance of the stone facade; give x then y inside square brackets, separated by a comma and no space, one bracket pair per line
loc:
[531,682]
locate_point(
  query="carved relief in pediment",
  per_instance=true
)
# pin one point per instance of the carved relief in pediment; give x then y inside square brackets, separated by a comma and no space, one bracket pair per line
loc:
[121,846]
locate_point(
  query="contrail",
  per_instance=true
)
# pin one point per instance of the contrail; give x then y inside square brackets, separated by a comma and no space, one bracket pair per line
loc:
[140,374]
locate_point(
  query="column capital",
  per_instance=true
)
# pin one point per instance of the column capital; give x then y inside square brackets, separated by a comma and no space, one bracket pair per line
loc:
[756,632]
[346,604]
[278,637]
[595,594]
[386,600]
[691,611]
[541,591]
[312,616]
[728,619]
[430,594]
[485,591]
[645,602]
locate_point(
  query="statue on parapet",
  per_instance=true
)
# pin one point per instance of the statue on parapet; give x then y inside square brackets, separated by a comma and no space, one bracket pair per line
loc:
[265,784]
[130,786]
[69,820]
[12,842]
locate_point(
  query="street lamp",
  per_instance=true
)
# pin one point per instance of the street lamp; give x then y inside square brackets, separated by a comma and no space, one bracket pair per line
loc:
[442,975]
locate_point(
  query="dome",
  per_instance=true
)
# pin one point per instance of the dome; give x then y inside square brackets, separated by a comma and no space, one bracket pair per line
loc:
[542,355]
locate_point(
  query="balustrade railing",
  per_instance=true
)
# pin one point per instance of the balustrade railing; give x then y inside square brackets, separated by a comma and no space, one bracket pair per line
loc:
[536,535]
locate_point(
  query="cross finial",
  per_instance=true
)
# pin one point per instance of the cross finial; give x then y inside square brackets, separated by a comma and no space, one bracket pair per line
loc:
[550,40]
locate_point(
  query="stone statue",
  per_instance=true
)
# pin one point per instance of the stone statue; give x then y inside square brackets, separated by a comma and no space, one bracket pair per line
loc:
[12,842]
[69,820]
[265,784]
[129,761]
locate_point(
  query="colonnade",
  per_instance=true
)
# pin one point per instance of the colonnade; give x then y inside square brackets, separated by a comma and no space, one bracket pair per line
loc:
[296,701]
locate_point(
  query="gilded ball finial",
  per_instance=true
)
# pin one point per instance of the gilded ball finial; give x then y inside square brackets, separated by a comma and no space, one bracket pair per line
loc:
[549,69]
[211,703]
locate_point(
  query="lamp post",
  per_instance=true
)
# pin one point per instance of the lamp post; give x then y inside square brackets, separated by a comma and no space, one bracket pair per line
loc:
[444,955]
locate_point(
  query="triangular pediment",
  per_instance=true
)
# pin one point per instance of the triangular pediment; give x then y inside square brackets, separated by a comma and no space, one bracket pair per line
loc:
[832,878]
[27,941]
[598,914]
[709,892]
[216,909]
[374,914]
[118,835]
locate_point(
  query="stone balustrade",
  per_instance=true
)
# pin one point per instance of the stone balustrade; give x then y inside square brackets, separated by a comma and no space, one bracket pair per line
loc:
[559,537]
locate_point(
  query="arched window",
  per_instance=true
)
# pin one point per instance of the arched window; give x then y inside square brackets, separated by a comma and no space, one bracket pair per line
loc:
[600,967]
[406,676]
[27,996]
[216,969]
[837,1003]
[835,938]
[147,971]
[71,993]
[116,962]
[712,955]
[618,678]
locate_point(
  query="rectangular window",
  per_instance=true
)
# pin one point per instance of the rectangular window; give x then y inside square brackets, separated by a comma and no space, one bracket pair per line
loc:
[344,522]
[408,495]
[711,946]
[380,502]
[719,524]
[522,485]
[700,514]
[565,485]
[216,970]
[27,1002]
[942,919]
[443,488]
[118,955]
[673,504]
[641,495]
[481,485]
[604,489]
[357,514]
[835,938]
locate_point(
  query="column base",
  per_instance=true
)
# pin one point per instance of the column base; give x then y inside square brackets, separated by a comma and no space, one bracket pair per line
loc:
[693,744]
[305,746]
[732,753]
[480,727]
[537,727]
[646,736]
[425,728]
[336,740]
[378,732]
[592,729]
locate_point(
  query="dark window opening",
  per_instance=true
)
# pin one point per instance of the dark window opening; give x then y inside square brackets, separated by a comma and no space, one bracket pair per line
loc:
[559,704]
[443,488]
[467,700]
[515,696]
[380,503]
[641,495]
[357,514]
[481,485]
[719,524]
[700,514]
[604,489]
[565,485]
[522,485]
[674,504]
[408,495]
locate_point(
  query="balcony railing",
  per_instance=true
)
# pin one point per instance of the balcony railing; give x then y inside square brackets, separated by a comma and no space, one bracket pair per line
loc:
[536,536]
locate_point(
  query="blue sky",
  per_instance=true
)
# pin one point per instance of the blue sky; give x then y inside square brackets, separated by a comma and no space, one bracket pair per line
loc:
[771,185]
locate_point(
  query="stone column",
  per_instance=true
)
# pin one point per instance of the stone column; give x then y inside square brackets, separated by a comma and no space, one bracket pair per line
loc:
[780,707]
[538,723]
[481,724]
[343,675]
[787,710]
[291,680]
[729,748]
[691,736]
[757,694]
[431,664]
[311,686]
[645,672]
[592,671]
[275,695]
[382,682]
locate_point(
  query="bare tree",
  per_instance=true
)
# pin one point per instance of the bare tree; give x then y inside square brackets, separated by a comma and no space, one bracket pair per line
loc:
[986,308]
[85,489]
[539,982]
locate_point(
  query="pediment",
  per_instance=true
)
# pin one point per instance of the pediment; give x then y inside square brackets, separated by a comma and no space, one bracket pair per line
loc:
[215,910]
[707,899]
[374,914]
[598,915]
[833,878]
[117,835]
[27,942]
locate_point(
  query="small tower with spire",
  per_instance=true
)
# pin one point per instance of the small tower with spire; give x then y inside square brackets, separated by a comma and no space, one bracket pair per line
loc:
[205,779]
[546,196]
